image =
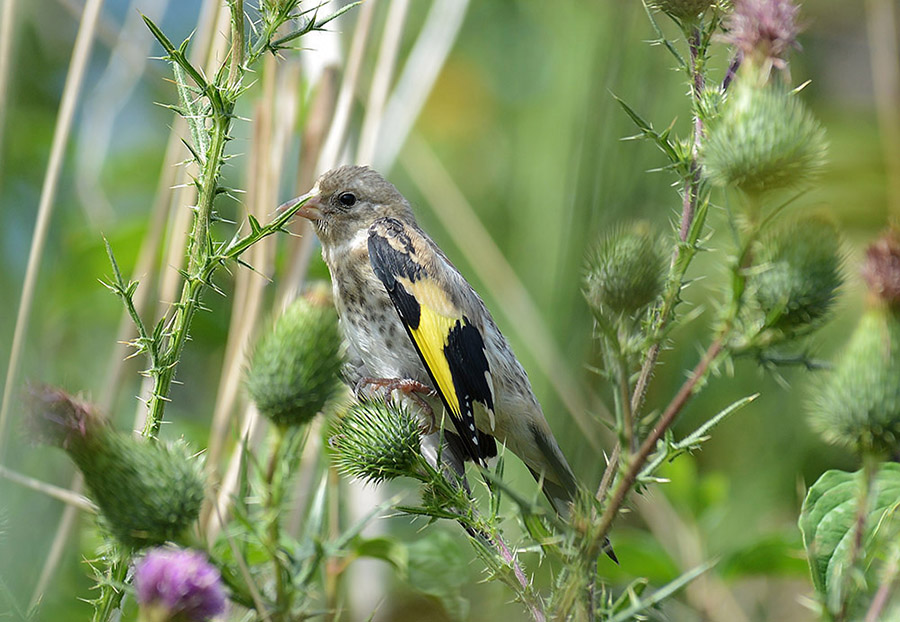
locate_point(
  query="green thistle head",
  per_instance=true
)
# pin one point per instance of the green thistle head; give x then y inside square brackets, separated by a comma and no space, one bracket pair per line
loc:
[376,442]
[295,369]
[859,403]
[799,272]
[147,492]
[625,272]
[681,9]
[764,139]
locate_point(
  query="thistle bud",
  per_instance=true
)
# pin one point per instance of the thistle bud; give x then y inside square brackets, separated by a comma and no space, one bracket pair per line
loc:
[147,492]
[765,139]
[859,405]
[681,9]
[377,442]
[178,585]
[799,274]
[295,368]
[625,272]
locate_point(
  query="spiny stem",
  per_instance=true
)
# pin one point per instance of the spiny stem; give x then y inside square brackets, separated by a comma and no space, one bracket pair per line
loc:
[527,596]
[235,69]
[884,590]
[112,587]
[625,399]
[857,547]
[690,201]
[199,261]
[649,444]
[273,502]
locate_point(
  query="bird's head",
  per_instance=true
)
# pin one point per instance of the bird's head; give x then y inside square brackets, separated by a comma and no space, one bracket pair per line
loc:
[348,200]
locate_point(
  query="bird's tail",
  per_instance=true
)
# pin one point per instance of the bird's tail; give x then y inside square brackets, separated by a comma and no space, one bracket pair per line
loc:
[558,483]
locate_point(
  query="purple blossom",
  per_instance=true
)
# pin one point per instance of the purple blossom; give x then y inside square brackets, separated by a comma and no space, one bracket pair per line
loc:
[882,267]
[181,583]
[59,419]
[766,28]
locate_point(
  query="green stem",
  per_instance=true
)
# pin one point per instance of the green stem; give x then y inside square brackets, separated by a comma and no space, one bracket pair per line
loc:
[637,462]
[693,216]
[237,43]
[112,587]
[628,437]
[274,493]
[870,464]
[201,264]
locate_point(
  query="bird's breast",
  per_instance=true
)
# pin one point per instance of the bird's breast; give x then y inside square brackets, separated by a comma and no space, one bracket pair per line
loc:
[369,321]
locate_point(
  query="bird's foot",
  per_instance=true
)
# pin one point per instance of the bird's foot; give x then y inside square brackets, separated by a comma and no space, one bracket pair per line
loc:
[409,387]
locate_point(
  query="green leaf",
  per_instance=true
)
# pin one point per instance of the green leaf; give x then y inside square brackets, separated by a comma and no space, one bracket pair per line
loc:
[439,567]
[828,519]
[769,555]
[660,139]
[255,227]
[386,549]
[641,604]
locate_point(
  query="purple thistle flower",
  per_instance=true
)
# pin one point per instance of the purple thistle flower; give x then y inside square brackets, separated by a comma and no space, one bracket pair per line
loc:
[882,267]
[59,419]
[765,29]
[179,584]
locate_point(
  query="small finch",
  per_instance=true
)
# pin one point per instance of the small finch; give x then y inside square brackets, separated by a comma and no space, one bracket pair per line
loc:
[412,322]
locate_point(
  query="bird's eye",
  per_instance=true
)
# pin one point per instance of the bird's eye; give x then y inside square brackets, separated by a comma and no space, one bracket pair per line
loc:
[347,199]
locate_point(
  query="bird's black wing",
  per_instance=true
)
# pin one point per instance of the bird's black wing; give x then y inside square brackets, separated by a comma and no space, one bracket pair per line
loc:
[448,342]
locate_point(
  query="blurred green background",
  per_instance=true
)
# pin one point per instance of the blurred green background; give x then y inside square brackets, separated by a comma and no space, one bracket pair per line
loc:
[523,120]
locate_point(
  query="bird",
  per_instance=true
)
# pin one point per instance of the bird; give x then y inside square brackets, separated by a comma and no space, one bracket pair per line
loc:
[412,322]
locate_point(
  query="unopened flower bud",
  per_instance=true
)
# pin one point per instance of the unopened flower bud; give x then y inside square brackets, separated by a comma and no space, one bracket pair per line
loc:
[295,368]
[765,139]
[859,403]
[147,492]
[625,272]
[377,442]
[799,272]
[681,9]
[177,585]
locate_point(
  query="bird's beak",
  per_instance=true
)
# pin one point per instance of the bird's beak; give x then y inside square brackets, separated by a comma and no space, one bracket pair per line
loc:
[311,208]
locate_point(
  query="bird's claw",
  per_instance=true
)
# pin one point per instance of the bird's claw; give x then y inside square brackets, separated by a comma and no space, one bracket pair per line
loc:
[409,387]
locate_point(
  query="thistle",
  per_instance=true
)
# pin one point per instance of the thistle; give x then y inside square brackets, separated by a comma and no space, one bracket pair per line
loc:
[177,585]
[799,273]
[765,139]
[294,371]
[147,492]
[625,272]
[859,405]
[681,9]
[763,31]
[377,442]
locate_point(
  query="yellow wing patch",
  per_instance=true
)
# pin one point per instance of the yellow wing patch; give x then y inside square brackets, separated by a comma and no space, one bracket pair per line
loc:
[429,293]
[431,339]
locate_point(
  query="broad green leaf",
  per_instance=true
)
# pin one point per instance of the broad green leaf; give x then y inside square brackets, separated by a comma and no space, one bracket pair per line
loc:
[386,549]
[828,518]
[772,554]
[439,567]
